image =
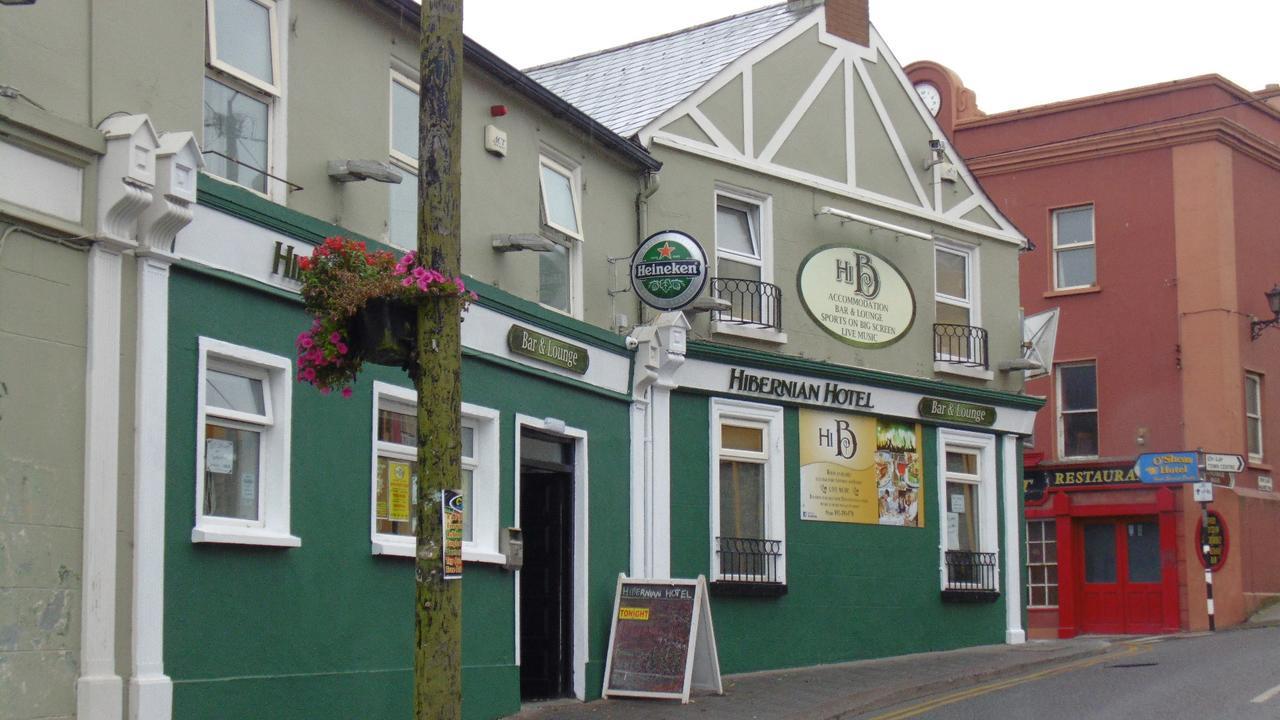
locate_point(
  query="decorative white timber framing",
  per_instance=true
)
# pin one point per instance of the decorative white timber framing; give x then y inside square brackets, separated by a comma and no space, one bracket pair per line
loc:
[848,60]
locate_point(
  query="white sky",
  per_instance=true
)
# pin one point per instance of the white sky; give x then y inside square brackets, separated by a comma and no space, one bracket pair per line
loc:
[1012,53]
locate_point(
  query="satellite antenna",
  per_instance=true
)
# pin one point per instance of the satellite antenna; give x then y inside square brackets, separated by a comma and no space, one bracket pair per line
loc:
[1039,335]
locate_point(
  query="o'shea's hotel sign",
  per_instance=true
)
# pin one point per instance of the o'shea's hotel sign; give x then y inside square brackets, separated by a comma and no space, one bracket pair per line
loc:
[855,296]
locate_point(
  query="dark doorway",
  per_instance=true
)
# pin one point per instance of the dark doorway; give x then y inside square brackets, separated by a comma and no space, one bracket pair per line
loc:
[546,580]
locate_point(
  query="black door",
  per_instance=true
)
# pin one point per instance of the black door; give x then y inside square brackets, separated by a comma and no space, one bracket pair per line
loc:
[546,580]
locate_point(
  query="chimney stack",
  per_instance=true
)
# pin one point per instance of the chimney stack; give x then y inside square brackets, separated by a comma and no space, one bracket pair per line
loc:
[850,20]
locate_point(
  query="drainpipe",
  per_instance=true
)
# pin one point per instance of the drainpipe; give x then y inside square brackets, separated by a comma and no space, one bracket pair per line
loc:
[126,178]
[649,183]
[172,206]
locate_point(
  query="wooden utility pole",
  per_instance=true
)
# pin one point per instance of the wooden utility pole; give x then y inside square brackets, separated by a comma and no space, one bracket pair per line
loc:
[437,671]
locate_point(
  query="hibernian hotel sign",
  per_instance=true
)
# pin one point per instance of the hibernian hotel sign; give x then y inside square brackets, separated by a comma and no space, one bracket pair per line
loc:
[856,296]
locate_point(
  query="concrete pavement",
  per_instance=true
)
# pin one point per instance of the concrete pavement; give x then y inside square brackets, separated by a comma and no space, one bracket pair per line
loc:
[835,691]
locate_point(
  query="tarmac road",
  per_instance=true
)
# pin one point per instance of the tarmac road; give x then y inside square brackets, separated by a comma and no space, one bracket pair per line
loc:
[1229,675]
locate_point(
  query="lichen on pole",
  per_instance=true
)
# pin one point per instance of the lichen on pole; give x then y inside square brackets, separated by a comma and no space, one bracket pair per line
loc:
[437,673]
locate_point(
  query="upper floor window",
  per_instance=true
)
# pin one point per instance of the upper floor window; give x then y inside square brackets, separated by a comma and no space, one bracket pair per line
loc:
[1078,410]
[743,260]
[243,87]
[1253,414]
[953,283]
[560,269]
[1074,257]
[402,218]
[242,475]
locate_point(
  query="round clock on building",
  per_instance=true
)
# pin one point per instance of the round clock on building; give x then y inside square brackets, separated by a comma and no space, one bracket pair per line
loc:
[931,97]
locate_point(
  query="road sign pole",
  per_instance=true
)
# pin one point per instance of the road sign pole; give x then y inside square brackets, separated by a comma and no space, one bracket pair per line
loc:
[1208,568]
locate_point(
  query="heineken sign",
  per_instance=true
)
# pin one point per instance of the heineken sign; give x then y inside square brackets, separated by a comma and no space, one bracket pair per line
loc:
[533,344]
[668,270]
[953,411]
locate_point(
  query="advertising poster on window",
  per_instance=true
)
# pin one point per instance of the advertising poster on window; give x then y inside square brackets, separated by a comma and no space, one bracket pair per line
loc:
[860,469]
[451,509]
[399,477]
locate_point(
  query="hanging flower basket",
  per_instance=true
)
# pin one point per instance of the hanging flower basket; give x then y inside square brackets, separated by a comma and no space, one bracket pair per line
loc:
[364,309]
[383,331]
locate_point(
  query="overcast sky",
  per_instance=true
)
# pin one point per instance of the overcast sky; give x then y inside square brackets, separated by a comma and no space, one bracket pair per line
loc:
[1012,53]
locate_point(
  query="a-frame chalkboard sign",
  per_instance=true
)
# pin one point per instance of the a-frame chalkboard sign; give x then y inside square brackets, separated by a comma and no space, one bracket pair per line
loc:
[662,643]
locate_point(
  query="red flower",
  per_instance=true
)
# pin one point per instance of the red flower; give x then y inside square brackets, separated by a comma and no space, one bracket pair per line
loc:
[304,263]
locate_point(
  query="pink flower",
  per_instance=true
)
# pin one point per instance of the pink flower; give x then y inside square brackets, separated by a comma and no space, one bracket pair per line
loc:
[346,392]
[305,341]
[335,337]
[308,374]
[324,391]
[407,281]
[342,348]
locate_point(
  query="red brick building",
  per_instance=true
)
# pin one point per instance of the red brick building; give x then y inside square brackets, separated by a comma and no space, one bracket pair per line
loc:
[1155,218]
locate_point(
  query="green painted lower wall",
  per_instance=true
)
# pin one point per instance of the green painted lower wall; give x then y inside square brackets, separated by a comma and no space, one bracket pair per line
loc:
[853,591]
[325,630]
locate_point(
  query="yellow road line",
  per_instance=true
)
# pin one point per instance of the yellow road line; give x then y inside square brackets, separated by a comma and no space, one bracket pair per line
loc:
[959,695]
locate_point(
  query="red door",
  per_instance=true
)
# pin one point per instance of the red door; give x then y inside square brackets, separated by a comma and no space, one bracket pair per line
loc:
[1121,589]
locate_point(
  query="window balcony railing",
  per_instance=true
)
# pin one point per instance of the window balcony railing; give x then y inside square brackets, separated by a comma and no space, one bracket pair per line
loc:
[960,344]
[971,576]
[751,302]
[748,566]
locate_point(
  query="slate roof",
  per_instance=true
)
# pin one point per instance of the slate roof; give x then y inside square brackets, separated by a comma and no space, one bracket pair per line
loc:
[628,86]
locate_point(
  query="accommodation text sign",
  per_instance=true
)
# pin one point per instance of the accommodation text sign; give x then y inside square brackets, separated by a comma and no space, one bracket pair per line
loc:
[857,297]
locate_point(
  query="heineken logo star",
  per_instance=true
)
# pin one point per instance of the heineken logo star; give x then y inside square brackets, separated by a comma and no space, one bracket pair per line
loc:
[666,250]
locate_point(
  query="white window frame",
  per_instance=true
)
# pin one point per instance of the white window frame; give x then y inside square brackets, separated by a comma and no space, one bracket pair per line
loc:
[1061,424]
[1044,563]
[226,67]
[770,418]
[972,280]
[986,487]
[1254,414]
[483,546]
[760,212]
[272,94]
[272,526]
[402,162]
[570,240]
[1093,243]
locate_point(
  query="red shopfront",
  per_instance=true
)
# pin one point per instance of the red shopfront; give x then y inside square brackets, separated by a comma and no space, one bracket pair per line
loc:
[1102,552]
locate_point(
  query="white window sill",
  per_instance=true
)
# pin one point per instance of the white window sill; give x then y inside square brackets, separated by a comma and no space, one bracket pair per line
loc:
[244,536]
[397,548]
[947,368]
[768,335]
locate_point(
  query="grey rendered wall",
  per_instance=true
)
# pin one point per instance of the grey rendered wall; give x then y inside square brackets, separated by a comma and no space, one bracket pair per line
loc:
[686,201]
[42,325]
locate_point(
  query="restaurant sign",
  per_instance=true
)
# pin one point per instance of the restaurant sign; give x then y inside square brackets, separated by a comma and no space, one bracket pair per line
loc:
[533,344]
[855,296]
[1035,484]
[953,411]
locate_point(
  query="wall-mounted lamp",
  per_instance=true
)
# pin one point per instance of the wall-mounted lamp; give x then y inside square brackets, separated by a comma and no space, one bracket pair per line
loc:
[1273,301]
[522,241]
[355,170]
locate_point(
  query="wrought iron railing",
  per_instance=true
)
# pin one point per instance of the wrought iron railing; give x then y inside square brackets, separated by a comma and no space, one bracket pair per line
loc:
[971,571]
[749,560]
[960,344]
[751,302]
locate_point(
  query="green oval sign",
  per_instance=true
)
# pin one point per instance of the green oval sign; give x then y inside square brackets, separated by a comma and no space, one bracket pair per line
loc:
[668,270]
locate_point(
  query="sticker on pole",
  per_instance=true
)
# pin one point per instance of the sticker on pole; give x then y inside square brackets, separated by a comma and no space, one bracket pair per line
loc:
[668,270]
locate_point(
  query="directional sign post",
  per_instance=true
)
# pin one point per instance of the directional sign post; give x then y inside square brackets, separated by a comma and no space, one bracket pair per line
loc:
[1219,462]
[1168,468]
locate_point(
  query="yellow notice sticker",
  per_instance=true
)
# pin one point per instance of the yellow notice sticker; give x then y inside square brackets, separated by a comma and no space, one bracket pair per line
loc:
[400,474]
[628,613]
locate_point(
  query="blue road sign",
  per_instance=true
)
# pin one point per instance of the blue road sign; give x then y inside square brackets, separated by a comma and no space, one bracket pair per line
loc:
[1170,467]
